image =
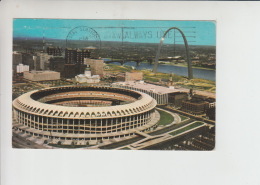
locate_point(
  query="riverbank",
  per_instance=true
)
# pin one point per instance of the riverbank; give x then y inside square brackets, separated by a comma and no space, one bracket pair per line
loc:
[176,80]
[172,69]
[186,65]
[168,79]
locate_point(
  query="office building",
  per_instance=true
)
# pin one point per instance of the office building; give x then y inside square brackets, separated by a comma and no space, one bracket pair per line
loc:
[41,75]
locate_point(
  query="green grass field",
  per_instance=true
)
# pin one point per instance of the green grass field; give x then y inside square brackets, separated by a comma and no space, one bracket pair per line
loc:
[165,118]
[183,117]
[194,125]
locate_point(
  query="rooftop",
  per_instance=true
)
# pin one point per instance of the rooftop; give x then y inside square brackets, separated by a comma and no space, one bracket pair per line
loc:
[149,87]
[45,72]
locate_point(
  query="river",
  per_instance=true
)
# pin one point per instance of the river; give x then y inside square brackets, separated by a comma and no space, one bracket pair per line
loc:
[178,70]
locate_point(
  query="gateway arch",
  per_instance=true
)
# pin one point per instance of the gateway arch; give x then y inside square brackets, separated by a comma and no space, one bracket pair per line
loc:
[190,74]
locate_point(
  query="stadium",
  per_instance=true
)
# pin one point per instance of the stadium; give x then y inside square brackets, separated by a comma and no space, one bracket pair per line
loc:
[88,113]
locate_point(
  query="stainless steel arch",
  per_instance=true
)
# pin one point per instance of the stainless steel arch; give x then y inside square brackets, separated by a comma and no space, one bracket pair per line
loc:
[190,73]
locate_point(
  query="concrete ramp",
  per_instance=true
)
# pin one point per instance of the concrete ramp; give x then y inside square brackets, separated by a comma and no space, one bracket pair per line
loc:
[143,134]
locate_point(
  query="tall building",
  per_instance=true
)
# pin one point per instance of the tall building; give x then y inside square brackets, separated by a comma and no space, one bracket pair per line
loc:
[70,70]
[74,61]
[76,56]
[36,63]
[70,56]
[57,64]
[42,61]
[27,59]
[96,66]
[17,59]
[54,51]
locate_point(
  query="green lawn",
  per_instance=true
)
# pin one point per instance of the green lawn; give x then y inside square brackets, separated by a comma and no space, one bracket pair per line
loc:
[183,117]
[194,125]
[152,79]
[165,118]
[119,68]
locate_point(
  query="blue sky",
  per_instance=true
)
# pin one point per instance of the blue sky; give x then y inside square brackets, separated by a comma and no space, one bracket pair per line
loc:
[146,31]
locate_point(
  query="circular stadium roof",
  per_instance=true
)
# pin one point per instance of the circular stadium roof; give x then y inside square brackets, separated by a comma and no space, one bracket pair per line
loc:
[29,102]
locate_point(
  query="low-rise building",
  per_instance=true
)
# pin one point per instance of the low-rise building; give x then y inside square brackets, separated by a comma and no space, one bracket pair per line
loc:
[159,93]
[81,78]
[133,76]
[22,68]
[41,75]
[87,77]
[176,98]
[195,107]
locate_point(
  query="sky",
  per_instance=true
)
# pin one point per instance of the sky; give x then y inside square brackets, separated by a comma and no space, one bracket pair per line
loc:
[144,31]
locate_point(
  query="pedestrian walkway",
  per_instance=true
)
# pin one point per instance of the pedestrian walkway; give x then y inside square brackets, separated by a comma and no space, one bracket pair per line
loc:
[143,134]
